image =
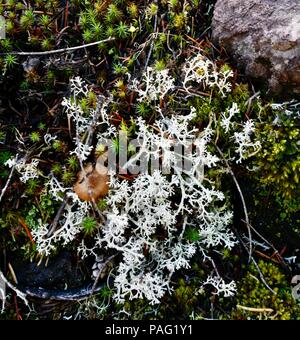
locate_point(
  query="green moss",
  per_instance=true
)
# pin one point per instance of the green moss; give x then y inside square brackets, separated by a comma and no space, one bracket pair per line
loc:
[89,225]
[184,298]
[35,136]
[27,20]
[279,158]
[252,293]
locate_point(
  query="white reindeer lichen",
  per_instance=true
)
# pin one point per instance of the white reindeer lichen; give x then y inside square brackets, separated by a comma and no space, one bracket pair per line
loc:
[139,209]
[84,122]
[146,218]
[204,72]
[244,143]
[26,170]
[226,118]
[155,85]
[69,226]
[221,287]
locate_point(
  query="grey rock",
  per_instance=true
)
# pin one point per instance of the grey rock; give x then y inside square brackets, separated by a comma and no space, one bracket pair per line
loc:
[263,36]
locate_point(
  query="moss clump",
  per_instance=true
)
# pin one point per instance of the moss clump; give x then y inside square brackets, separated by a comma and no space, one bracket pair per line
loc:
[184,298]
[252,293]
[279,159]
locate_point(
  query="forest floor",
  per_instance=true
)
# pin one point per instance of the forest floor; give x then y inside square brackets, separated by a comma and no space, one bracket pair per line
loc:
[110,45]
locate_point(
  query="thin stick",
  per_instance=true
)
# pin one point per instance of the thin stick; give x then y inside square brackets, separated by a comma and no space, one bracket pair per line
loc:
[62,50]
[23,224]
[256,266]
[13,288]
[57,217]
[256,310]
[266,241]
[262,277]
[242,199]
[13,274]
[76,294]
[250,101]
[152,42]
[8,181]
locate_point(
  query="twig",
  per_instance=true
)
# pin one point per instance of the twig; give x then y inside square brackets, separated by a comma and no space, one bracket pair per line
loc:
[266,257]
[75,294]
[57,217]
[93,125]
[256,266]
[256,310]
[19,316]
[262,277]
[195,41]
[23,224]
[62,50]
[8,181]
[13,274]
[266,241]
[13,288]
[242,199]
[152,42]
[250,101]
